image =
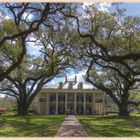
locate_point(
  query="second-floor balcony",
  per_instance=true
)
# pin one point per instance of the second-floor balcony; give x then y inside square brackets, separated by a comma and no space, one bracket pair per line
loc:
[79,99]
[52,98]
[88,99]
[61,98]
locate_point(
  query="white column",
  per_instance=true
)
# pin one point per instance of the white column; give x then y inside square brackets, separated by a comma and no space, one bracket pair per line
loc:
[93,103]
[84,103]
[66,102]
[38,105]
[56,103]
[75,103]
[104,103]
[47,108]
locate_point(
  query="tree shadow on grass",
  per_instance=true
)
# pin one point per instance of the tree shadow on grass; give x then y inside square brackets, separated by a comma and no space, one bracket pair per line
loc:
[109,126]
[36,126]
[109,130]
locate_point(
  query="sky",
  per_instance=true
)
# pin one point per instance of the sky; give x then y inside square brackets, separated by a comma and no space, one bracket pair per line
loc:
[132,9]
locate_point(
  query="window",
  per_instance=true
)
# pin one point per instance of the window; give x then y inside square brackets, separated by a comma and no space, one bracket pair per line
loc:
[70,98]
[88,98]
[79,98]
[42,100]
[61,98]
[52,98]
[61,110]
[98,100]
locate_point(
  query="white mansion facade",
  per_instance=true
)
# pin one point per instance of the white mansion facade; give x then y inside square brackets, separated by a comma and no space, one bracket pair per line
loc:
[71,98]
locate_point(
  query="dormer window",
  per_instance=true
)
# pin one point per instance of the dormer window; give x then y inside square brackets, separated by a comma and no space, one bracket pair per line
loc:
[60,85]
[80,85]
[70,85]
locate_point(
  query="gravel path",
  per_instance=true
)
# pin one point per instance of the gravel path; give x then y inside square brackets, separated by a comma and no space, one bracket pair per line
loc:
[71,128]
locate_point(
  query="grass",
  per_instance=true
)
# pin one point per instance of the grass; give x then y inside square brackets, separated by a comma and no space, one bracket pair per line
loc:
[34,126]
[111,126]
[47,126]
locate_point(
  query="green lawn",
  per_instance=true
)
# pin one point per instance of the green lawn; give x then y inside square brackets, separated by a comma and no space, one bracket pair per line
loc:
[95,126]
[111,126]
[38,126]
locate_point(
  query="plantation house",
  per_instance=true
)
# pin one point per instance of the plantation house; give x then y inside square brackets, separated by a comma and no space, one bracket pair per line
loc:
[71,98]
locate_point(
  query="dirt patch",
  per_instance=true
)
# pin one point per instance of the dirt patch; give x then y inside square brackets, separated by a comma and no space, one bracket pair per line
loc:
[135,126]
[2,125]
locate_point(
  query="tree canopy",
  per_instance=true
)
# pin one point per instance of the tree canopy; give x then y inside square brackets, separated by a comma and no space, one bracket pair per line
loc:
[109,47]
[106,43]
[18,22]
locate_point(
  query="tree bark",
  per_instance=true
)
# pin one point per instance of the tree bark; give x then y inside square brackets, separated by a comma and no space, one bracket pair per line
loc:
[22,107]
[123,107]
[22,110]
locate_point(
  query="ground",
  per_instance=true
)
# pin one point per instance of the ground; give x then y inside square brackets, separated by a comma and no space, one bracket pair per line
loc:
[95,126]
[30,126]
[110,126]
[71,128]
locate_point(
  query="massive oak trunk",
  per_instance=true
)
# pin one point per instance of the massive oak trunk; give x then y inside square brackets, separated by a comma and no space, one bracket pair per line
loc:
[22,105]
[22,110]
[123,107]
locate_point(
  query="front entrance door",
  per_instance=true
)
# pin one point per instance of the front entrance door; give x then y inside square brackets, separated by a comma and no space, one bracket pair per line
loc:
[70,111]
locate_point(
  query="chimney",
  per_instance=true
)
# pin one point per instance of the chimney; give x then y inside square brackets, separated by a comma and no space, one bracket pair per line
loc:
[65,79]
[60,85]
[75,79]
